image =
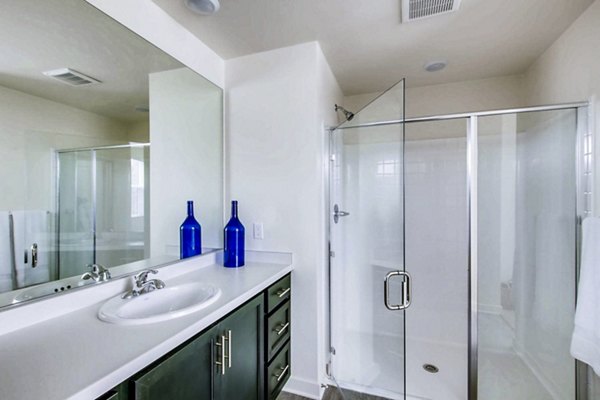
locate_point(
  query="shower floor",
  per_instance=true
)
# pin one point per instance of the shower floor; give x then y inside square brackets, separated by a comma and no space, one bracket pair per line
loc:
[383,374]
[502,372]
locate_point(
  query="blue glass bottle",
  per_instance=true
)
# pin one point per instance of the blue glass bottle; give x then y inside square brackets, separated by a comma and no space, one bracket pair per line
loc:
[234,239]
[190,234]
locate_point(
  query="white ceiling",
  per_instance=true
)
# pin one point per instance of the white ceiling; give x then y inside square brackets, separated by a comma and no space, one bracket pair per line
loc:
[369,48]
[42,35]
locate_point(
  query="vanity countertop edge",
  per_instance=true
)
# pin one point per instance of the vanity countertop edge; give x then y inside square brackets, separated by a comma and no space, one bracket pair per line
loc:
[77,356]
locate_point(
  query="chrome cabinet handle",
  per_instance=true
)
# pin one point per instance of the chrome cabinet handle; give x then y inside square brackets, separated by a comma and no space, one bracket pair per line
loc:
[284,371]
[406,291]
[223,356]
[283,292]
[228,349]
[34,255]
[282,328]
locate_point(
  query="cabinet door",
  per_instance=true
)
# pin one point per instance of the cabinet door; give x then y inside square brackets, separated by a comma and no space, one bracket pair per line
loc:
[187,374]
[243,380]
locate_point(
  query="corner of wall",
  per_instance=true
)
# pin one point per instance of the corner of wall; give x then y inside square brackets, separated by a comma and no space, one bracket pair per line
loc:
[151,22]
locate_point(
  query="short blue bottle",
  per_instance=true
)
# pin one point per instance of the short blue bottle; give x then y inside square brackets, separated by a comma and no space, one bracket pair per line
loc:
[234,240]
[190,234]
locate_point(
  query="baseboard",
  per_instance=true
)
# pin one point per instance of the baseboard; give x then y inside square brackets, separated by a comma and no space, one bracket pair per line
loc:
[531,363]
[303,387]
[489,308]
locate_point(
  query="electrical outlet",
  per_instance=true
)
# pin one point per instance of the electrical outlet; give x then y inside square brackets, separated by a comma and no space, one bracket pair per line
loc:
[259,233]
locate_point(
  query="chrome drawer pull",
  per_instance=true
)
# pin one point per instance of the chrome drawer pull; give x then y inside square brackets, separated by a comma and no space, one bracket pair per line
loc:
[282,373]
[283,292]
[223,356]
[229,349]
[282,328]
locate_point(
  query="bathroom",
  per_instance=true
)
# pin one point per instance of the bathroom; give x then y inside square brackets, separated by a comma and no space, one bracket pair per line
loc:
[413,190]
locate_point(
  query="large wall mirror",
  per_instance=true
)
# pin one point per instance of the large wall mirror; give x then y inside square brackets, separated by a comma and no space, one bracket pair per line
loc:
[103,138]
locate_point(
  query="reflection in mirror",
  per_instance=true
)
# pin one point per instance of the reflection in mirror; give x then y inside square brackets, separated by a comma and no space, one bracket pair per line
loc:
[102,136]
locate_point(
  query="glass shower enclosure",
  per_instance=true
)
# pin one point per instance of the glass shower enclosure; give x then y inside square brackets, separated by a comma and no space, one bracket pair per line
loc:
[103,207]
[453,252]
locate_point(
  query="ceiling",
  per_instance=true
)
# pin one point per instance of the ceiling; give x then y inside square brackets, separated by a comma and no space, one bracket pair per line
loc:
[45,35]
[369,48]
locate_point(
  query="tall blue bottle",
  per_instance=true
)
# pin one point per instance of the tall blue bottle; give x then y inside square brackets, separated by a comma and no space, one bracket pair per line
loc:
[234,239]
[190,234]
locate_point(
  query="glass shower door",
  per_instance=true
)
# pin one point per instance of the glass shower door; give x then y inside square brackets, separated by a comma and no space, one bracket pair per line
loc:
[76,224]
[367,250]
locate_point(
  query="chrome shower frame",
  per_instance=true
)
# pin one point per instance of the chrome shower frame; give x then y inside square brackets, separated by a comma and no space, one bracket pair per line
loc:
[584,200]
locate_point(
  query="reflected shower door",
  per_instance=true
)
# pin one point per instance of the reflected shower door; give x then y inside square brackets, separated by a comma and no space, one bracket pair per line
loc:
[367,245]
[75,212]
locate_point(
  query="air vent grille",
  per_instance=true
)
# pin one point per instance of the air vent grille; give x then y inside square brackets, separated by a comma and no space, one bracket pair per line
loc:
[71,77]
[418,9]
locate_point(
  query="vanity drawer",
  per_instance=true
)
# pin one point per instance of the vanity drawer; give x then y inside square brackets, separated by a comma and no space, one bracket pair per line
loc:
[278,372]
[278,329]
[278,292]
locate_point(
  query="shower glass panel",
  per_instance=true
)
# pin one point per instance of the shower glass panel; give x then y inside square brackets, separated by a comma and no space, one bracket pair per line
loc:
[527,214]
[367,243]
[388,106]
[435,155]
[75,212]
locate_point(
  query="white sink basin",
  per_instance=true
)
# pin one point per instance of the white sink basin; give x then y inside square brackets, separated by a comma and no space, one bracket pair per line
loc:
[160,304]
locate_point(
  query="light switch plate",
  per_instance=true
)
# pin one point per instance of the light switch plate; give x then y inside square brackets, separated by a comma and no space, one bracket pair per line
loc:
[259,233]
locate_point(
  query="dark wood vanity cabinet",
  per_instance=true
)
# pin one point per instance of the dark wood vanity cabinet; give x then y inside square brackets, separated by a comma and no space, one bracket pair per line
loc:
[278,327]
[243,356]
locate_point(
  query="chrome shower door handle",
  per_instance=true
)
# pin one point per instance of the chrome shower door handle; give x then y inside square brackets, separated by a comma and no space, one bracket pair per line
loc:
[337,213]
[34,255]
[406,291]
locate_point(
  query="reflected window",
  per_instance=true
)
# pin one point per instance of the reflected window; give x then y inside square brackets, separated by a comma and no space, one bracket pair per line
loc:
[387,168]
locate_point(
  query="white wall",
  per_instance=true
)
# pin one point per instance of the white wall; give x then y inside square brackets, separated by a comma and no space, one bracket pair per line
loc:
[31,128]
[153,24]
[455,97]
[277,103]
[186,158]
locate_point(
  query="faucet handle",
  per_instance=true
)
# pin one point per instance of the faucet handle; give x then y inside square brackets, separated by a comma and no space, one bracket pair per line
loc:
[97,268]
[98,273]
[142,276]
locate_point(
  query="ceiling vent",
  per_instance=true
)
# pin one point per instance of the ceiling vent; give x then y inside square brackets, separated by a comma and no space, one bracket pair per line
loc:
[71,77]
[418,9]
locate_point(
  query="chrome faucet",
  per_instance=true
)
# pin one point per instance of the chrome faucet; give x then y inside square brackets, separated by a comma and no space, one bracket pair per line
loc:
[142,285]
[98,273]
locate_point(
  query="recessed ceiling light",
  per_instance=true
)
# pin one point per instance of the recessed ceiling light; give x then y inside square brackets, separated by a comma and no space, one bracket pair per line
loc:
[435,66]
[203,7]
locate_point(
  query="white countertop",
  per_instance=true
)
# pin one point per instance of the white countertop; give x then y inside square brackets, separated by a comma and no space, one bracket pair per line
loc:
[75,355]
